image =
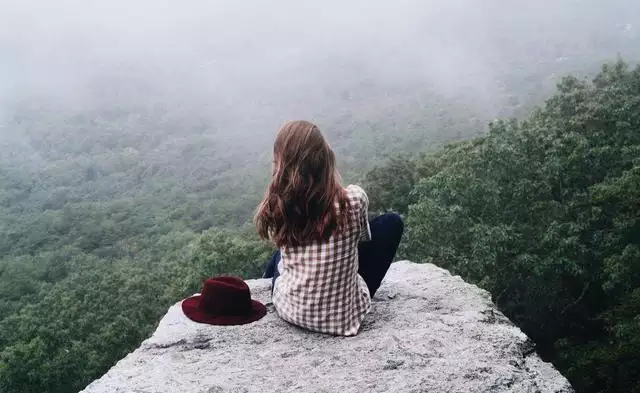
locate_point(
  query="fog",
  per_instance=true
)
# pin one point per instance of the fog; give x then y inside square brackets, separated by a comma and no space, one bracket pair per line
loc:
[245,67]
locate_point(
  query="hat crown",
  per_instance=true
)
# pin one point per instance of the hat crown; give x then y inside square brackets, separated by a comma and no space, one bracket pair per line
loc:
[226,295]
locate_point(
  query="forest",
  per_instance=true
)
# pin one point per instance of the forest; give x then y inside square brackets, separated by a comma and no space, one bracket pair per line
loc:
[133,155]
[545,214]
[542,212]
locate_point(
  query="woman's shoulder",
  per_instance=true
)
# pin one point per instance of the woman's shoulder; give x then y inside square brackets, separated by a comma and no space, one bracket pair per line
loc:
[357,194]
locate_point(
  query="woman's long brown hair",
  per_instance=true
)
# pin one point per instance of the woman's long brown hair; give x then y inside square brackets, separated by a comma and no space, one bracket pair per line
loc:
[299,206]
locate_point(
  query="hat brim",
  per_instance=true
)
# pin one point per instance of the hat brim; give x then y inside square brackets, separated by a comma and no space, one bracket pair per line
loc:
[194,313]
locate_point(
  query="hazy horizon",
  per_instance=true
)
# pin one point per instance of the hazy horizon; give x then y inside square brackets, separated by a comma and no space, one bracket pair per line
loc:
[244,68]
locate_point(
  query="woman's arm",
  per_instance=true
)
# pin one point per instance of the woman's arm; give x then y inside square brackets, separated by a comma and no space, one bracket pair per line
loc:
[362,211]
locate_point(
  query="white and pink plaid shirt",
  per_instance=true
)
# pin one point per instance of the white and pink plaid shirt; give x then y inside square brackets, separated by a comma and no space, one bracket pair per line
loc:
[319,287]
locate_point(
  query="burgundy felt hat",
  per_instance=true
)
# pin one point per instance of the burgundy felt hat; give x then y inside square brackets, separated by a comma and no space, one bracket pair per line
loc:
[224,300]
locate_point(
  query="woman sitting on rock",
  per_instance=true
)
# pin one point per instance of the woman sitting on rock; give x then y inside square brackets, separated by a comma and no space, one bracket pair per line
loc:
[331,259]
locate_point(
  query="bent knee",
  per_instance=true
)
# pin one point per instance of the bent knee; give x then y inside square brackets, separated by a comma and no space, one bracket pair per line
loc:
[395,221]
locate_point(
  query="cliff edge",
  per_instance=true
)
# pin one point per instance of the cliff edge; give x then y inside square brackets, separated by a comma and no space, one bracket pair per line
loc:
[428,331]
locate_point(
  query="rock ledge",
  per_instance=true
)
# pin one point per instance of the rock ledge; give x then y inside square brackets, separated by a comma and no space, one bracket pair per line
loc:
[428,332]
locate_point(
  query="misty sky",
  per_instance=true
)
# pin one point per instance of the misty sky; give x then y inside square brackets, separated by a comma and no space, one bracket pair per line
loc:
[255,60]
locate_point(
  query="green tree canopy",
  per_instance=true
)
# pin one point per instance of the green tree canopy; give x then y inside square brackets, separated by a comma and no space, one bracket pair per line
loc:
[545,214]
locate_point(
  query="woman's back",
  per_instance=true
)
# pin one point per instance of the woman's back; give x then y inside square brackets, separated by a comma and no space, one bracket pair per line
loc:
[324,276]
[319,287]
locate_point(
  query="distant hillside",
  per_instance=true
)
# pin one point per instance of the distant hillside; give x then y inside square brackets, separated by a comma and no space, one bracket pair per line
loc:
[135,142]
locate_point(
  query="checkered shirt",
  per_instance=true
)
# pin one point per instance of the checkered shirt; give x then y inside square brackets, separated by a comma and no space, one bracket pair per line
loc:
[319,287]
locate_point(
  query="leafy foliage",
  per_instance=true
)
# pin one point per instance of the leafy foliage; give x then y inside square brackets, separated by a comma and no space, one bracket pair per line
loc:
[545,214]
[109,215]
[220,251]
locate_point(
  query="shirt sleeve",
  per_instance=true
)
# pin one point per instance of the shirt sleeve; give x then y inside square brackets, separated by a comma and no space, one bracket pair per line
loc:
[363,216]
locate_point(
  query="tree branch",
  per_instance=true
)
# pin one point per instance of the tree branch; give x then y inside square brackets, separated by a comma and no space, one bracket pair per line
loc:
[578,300]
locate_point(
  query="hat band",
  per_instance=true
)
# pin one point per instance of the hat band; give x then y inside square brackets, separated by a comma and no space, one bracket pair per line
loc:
[221,308]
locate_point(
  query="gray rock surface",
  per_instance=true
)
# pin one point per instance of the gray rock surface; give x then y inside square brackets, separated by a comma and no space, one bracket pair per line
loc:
[428,332]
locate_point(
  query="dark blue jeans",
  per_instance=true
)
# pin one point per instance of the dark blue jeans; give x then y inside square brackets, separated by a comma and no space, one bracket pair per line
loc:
[374,256]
